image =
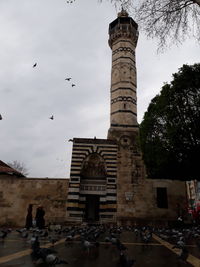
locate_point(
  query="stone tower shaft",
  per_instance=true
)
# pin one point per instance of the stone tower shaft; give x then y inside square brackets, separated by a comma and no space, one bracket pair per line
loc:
[123,37]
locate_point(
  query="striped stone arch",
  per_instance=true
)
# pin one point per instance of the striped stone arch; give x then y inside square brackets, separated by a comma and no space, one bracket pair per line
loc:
[102,155]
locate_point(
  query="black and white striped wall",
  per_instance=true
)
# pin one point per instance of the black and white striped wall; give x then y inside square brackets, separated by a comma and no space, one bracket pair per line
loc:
[107,191]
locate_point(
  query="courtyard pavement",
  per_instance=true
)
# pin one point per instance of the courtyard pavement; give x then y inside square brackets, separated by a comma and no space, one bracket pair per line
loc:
[15,251]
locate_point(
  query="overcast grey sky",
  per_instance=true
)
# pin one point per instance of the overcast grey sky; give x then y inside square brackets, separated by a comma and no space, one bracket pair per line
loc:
[66,40]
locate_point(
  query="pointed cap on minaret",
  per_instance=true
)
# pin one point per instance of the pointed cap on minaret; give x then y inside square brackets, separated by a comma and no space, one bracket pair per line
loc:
[123,13]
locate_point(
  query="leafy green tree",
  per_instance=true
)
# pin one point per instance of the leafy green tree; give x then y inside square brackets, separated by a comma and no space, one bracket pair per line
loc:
[170,130]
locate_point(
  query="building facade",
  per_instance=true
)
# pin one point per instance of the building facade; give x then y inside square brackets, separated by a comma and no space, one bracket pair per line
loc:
[107,180]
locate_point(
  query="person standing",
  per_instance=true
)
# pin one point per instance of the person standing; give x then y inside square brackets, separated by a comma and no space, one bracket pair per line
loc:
[39,217]
[29,217]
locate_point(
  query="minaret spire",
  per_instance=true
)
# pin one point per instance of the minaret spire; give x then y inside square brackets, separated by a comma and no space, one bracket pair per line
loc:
[123,12]
[123,37]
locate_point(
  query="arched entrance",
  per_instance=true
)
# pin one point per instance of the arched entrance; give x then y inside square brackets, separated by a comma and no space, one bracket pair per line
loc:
[93,180]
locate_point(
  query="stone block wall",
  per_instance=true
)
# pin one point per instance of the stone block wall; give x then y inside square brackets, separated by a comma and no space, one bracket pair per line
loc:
[143,206]
[17,193]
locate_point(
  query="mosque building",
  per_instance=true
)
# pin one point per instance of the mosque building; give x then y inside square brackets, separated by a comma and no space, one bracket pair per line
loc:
[107,179]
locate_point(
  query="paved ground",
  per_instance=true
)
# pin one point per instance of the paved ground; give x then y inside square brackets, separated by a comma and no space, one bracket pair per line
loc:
[15,251]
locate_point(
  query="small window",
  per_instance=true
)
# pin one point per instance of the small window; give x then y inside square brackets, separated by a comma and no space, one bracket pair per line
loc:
[162,201]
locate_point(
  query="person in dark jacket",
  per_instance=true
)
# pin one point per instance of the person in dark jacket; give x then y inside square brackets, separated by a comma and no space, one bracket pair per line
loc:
[40,222]
[29,217]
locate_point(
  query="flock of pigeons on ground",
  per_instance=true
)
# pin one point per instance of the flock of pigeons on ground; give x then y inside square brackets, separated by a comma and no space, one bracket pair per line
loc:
[66,79]
[89,238]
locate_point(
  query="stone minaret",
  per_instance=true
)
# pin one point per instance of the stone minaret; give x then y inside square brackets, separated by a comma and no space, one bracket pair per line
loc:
[107,178]
[123,37]
[123,130]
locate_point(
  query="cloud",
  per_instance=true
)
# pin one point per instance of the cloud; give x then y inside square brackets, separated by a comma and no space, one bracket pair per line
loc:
[65,41]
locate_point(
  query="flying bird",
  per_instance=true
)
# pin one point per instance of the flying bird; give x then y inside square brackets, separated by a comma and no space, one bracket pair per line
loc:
[1,117]
[70,140]
[34,65]
[51,118]
[73,85]
[67,79]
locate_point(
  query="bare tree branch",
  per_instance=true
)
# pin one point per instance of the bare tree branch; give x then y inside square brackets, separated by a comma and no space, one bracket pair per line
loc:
[170,21]
[19,166]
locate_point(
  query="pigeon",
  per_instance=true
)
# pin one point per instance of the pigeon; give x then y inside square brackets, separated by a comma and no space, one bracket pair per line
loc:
[34,65]
[107,239]
[20,231]
[44,234]
[125,262]
[51,118]
[53,260]
[198,243]
[87,245]
[184,254]
[146,238]
[73,85]
[120,246]
[67,79]
[24,234]
[114,240]
[35,244]
[69,238]
[53,239]
[180,244]
[39,254]
[3,234]
[1,117]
